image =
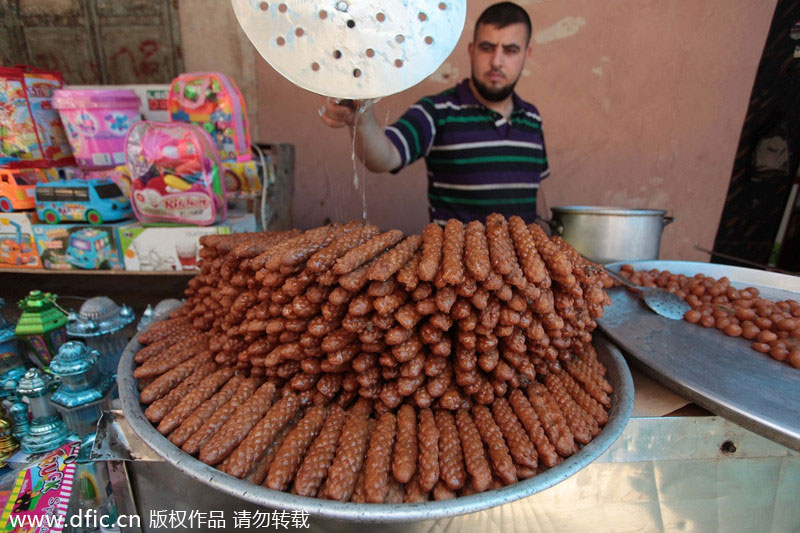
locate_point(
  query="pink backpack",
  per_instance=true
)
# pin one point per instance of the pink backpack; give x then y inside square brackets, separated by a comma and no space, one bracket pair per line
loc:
[176,174]
[213,101]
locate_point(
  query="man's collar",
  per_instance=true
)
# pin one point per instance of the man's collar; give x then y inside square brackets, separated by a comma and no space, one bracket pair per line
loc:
[465,94]
[518,104]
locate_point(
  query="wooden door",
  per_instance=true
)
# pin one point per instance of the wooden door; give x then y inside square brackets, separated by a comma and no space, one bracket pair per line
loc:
[94,41]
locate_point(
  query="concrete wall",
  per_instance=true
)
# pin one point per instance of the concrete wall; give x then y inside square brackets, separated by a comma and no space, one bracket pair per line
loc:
[642,101]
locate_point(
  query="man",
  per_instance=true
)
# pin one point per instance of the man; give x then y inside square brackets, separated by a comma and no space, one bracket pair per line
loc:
[482,144]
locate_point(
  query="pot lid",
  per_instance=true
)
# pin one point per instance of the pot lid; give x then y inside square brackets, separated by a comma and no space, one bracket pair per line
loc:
[603,210]
[35,383]
[163,308]
[99,316]
[39,314]
[9,381]
[73,357]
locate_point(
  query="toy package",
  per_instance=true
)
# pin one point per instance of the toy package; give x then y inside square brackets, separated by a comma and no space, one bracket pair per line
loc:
[241,179]
[31,132]
[171,248]
[62,173]
[176,174]
[97,121]
[213,101]
[40,497]
[17,246]
[78,247]
[152,98]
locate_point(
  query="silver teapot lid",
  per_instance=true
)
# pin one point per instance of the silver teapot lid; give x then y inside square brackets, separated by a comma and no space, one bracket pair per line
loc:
[99,316]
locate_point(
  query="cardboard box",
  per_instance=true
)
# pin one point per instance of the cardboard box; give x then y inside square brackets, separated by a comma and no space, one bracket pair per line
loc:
[78,246]
[172,248]
[17,244]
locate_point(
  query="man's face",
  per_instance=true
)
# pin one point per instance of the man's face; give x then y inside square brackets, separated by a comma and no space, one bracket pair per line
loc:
[497,56]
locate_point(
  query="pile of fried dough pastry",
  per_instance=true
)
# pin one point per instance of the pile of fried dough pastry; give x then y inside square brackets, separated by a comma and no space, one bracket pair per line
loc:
[357,365]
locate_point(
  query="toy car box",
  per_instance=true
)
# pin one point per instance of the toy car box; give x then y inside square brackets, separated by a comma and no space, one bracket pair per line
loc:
[172,248]
[78,246]
[17,245]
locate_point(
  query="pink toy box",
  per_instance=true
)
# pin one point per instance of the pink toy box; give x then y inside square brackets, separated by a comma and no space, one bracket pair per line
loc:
[213,101]
[97,121]
[31,133]
[176,174]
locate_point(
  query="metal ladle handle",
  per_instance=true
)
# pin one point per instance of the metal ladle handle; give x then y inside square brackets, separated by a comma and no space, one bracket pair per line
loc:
[620,278]
[555,226]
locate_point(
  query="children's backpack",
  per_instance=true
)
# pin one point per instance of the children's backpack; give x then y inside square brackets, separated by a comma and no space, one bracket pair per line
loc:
[213,101]
[31,132]
[176,174]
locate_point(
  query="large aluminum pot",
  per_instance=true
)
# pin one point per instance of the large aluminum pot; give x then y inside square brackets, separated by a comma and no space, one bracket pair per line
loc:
[610,234]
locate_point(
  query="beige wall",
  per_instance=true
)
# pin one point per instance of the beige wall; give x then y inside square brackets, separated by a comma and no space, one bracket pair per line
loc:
[642,101]
[213,41]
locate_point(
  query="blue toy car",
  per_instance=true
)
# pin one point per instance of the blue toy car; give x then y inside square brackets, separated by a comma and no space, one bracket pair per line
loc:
[93,201]
[89,248]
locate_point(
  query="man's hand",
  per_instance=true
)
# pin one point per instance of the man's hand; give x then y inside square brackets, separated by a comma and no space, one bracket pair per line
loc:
[370,144]
[338,114]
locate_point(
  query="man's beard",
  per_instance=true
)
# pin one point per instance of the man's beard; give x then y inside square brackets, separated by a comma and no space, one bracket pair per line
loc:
[494,95]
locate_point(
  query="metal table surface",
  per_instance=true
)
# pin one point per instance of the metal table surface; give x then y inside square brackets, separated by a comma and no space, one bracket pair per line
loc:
[721,373]
[662,474]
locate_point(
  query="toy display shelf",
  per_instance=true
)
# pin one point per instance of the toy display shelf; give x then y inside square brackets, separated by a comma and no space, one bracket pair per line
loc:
[136,289]
[181,273]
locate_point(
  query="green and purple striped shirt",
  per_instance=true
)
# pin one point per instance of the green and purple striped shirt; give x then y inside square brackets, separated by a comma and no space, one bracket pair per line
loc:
[478,162]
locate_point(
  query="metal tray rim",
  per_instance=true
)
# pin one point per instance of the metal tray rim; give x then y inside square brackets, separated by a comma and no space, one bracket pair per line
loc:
[742,275]
[622,406]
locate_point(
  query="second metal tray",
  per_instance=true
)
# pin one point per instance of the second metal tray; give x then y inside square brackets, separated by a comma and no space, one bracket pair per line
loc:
[722,374]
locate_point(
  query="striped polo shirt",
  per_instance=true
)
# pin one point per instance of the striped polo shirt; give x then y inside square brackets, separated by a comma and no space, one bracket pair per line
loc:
[478,162]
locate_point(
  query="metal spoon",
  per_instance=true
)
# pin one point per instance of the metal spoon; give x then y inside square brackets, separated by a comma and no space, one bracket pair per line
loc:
[661,302]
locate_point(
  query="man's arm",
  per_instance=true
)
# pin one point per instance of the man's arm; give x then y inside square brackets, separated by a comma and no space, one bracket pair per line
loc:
[371,145]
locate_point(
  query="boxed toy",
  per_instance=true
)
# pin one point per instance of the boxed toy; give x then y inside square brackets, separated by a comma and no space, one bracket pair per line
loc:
[17,246]
[172,248]
[41,494]
[153,98]
[241,179]
[97,121]
[31,133]
[78,246]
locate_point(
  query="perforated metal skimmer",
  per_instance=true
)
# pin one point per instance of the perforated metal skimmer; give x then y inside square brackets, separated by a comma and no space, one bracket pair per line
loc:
[353,48]
[660,301]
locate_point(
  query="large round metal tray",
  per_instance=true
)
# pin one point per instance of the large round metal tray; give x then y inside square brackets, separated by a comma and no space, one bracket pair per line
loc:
[622,403]
[723,374]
